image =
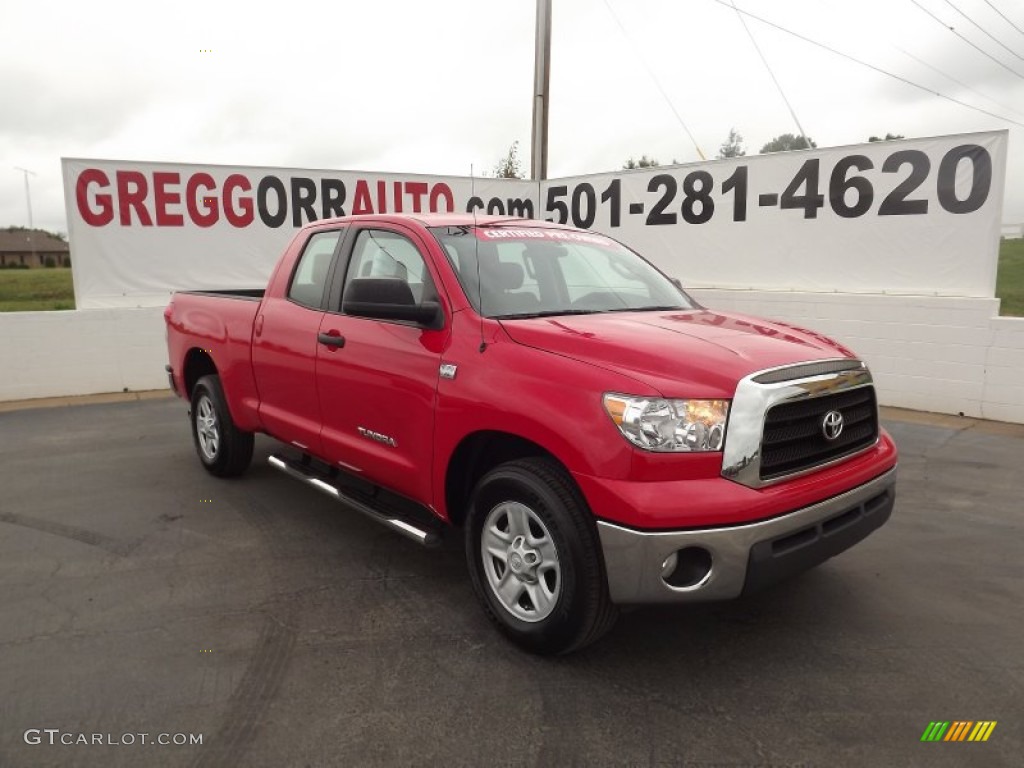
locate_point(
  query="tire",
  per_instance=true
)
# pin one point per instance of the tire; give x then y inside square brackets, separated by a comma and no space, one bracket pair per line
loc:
[535,558]
[223,449]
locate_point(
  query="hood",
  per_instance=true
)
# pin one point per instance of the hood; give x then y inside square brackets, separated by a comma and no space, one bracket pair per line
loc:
[695,353]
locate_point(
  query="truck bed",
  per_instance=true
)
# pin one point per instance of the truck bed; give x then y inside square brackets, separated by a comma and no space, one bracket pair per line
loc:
[218,324]
[246,294]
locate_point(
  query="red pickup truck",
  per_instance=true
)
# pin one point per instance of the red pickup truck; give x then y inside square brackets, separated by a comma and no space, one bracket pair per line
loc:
[600,438]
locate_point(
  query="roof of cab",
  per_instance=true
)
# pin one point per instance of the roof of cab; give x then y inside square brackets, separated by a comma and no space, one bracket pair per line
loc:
[440,220]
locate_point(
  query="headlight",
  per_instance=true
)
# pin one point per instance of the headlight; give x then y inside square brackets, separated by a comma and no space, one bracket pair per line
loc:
[673,426]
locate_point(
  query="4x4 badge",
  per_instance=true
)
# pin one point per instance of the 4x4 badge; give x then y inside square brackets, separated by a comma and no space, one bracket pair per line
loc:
[448,370]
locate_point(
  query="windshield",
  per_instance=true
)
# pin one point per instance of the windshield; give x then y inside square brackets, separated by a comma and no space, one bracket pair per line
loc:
[534,271]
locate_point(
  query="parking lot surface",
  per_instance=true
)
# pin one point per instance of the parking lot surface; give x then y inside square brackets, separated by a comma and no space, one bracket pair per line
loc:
[138,595]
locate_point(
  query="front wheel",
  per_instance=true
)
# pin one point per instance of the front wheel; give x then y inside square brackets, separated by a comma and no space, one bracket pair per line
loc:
[223,449]
[534,558]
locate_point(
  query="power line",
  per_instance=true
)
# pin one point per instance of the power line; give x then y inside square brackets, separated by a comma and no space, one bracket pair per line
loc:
[984,31]
[950,77]
[869,66]
[961,83]
[657,83]
[775,80]
[974,46]
[1004,17]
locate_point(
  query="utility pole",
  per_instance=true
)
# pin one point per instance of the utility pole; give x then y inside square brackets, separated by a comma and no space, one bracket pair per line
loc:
[541,79]
[28,200]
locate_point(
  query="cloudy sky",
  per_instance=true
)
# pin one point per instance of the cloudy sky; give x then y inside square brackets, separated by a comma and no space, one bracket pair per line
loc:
[437,87]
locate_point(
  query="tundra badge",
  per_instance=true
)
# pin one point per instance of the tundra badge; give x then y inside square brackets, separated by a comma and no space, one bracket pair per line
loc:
[370,434]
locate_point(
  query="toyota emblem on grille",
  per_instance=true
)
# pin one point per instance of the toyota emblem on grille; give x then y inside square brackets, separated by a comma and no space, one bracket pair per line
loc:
[832,425]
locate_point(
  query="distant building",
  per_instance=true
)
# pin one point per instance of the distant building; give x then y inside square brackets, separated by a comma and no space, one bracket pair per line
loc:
[32,248]
[1013,231]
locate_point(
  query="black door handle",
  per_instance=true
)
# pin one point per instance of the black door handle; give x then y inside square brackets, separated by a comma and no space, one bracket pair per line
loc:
[330,340]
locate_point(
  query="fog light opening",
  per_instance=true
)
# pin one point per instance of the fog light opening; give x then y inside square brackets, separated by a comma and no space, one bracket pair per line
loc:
[686,568]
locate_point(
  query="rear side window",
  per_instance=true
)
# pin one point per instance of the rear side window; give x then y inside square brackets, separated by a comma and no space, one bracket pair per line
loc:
[310,277]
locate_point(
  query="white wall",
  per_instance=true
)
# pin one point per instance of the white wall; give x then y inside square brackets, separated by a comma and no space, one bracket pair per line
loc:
[84,352]
[948,355]
[1003,396]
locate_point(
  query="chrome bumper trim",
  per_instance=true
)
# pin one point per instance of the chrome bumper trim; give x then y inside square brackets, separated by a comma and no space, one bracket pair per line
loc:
[633,559]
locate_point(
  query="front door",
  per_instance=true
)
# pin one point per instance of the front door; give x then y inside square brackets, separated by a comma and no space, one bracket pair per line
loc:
[378,391]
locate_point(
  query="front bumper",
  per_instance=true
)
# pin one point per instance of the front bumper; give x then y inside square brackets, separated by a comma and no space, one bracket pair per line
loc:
[743,558]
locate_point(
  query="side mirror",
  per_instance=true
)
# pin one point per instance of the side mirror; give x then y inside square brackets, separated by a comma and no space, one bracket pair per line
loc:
[427,314]
[389,298]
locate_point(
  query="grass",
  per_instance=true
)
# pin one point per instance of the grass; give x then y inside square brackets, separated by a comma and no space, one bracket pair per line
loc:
[1010,278]
[29,290]
[25,290]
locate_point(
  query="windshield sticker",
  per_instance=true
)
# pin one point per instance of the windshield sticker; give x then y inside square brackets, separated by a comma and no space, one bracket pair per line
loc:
[558,235]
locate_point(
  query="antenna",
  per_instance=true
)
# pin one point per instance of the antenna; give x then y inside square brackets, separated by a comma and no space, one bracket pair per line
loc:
[476,249]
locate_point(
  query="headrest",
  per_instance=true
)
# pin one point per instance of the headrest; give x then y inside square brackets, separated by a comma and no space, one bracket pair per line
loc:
[321,264]
[545,250]
[508,276]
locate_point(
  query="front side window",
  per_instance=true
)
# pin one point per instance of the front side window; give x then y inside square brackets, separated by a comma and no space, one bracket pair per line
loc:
[310,277]
[382,255]
[513,272]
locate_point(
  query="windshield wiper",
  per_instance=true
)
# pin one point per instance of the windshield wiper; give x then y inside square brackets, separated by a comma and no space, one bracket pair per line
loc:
[644,309]
[550,313]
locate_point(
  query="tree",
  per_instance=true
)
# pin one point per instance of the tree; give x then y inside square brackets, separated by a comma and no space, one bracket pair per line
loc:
[888,137]
[509,166]
[56,235]
[787,142]
[643,162]
[733,146]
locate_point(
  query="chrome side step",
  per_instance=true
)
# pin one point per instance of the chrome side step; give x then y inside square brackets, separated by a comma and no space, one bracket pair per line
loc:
[309,476]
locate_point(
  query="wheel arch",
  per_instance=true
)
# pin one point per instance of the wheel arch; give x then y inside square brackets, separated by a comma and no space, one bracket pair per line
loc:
[198,363]
[475,455]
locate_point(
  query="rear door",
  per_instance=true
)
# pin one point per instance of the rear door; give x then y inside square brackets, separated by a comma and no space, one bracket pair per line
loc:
[377,392]
[284,346]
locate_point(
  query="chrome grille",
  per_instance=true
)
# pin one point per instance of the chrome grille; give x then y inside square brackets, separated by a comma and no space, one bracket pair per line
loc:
[776,417]
[794,441]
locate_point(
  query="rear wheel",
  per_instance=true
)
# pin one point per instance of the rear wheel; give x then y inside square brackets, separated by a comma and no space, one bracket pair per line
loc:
[534,558]
[223,449]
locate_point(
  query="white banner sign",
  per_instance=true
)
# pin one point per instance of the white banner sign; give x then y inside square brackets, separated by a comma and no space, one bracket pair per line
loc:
[917,216]
[140,231]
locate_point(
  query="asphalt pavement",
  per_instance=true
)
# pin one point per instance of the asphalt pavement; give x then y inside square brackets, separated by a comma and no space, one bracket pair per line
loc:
[139,595]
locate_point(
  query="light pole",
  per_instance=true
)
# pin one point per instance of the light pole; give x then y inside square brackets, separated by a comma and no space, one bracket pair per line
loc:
[28,200]
[541,80]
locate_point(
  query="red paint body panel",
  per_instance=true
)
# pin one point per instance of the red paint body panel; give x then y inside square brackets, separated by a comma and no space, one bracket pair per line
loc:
[539,379]
[223,328]
[696,354]
[383,380]
[284,366]
[702,502]
[547,399]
